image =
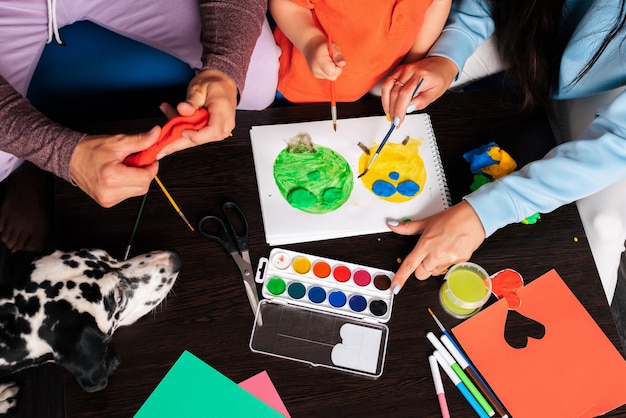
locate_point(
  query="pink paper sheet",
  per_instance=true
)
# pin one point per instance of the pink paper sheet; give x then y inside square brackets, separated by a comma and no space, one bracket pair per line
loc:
[261,386]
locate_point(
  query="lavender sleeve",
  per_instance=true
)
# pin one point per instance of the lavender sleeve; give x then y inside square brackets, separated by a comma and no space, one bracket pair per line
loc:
[26,133]
[230,30]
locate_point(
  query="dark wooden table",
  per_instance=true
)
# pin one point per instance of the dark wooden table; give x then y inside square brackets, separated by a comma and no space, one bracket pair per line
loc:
[209,315]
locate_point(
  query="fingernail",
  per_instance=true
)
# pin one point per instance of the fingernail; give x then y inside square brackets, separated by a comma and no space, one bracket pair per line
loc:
[396,121]
[393,223]
[396,289]
[388,117]
[411,108]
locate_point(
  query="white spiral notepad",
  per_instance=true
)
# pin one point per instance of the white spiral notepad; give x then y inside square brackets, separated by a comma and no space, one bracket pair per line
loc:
[311,192]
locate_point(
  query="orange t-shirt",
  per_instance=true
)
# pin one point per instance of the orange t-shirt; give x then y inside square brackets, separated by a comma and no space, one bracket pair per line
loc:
[373,35]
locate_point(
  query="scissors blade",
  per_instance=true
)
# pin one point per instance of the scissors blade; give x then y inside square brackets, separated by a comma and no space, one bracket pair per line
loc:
[245,254]
[245,268]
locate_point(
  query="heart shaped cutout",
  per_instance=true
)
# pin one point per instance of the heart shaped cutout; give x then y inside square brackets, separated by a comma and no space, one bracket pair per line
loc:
[519,328]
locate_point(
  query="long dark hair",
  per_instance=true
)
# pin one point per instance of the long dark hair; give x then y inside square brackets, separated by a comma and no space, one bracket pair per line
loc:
[530,41]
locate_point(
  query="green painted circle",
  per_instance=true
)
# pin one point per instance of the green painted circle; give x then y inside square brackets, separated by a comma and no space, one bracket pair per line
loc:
[276,286]
[314,182]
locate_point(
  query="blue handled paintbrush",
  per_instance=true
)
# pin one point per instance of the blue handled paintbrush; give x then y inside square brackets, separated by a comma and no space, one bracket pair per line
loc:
[394,124]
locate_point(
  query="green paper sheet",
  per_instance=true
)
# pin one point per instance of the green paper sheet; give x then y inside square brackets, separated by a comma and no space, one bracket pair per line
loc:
[193,389]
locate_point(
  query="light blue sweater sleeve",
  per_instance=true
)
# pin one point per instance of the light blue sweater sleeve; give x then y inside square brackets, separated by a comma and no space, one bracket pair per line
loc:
[569,172]
[572,170]
[469,24]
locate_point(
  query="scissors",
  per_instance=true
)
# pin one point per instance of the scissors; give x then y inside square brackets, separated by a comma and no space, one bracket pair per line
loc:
[234,242]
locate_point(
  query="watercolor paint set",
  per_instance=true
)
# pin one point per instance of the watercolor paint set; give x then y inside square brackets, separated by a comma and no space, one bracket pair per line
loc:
[323,312]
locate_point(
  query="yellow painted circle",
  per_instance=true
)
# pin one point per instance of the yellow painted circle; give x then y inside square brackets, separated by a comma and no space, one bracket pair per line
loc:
[397,164]
[301,265]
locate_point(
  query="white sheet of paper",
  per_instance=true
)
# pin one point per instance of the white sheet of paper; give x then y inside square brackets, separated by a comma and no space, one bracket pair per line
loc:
[363,212]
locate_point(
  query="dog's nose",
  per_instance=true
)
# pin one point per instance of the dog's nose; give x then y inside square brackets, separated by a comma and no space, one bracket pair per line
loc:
[176,261]
[168,258]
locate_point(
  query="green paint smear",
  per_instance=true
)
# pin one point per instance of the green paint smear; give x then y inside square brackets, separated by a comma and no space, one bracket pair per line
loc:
[532,219]
[314,182]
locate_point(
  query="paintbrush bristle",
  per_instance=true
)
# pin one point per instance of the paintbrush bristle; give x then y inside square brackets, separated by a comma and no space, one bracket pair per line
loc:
[439,324]
[182,215]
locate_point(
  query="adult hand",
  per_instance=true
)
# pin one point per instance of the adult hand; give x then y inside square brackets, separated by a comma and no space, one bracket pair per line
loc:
[448,237]
[397,90]
[214,91]
[97,166]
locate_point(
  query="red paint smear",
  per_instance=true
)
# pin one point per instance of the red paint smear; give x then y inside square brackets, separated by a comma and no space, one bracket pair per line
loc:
[505,284]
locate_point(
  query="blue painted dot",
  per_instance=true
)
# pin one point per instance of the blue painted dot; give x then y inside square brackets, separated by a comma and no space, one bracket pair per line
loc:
[394,175]
[383,188]
[317,294]
[337,298]
[408,188]
[296,290]
[357,303]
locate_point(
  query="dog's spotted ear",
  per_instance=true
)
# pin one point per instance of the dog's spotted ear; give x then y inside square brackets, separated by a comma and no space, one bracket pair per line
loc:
[92,362]
[80,346]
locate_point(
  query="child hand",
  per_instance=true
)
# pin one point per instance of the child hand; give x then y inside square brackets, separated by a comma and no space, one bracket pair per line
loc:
[321,64]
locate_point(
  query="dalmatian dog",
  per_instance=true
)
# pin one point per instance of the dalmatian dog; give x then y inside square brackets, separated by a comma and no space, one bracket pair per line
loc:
[64,308]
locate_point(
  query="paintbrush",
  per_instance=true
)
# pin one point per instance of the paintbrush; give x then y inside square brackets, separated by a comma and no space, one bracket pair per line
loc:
[394,124]
[333,105]
[176,208]
[137,218]
[333,101]
[140,211]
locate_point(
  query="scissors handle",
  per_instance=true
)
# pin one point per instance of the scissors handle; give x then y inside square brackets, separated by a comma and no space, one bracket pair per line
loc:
[237,223]
[214,229]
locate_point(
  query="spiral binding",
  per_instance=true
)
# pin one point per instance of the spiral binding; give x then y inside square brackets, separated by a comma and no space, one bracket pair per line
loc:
[441,175]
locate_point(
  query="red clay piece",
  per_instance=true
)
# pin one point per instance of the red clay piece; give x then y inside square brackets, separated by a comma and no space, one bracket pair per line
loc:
[170,132]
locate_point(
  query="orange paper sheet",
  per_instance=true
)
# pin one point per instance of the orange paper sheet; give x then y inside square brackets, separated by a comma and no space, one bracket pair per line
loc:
[573,371]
